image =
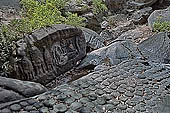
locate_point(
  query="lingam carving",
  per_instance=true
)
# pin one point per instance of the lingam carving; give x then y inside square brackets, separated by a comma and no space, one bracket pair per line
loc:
[47,56]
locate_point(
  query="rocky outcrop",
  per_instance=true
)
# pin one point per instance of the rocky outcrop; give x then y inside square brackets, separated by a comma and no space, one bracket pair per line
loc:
[11,89]
[159,15]
[48,52]
[111,55]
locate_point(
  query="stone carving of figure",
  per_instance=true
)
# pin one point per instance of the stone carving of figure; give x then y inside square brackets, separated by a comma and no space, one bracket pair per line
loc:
[48,59]
[59,54]
[38,61]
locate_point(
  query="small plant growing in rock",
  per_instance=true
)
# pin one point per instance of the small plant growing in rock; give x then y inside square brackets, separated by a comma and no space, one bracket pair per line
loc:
[161,26]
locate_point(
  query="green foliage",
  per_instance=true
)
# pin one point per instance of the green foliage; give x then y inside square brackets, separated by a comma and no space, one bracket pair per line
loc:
[8,36]
[40,14]
[99,6]
[161,26]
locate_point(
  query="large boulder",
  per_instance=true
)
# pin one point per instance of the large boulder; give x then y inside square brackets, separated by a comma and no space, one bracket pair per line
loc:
[111,55]
[12,89]
[48,52]
[159,15]
[156,48]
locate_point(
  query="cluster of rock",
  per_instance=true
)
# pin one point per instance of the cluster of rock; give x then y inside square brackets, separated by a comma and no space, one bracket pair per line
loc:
[131,65]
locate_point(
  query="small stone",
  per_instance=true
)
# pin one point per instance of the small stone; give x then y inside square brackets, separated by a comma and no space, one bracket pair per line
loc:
[121,90]
[115,102]
[69,100]
[31,101]
[115,94]
[61,97]
[122,106]
[109,107]
[131,89]
[129,94]
[38,105]
[29,108]
[5,111]
[141,76]
[44,110]
[106,83]
[101,100]
[24,103]
[113,86]
[15,107]
[90,105]
[99,92]
[92,97]
[35,111]
[75,105]
[139,93]
[123,98]
[24,112]
[130,110]
[84,100]
[85,110]
[60,108]
[49,103]
[108,90]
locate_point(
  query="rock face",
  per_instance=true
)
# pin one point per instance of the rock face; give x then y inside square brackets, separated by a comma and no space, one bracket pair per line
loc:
[111,55]
[48,52]
[11,89]
[161,15]
[93,40]
[156,48]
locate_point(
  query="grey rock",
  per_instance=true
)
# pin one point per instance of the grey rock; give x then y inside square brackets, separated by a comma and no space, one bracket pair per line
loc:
[25,88]
[156,49]
[75,105]
[115,5]
[60,108]
[15,107]
[44,110]
[111,55]
[5,111]
[93,40]
[162,15]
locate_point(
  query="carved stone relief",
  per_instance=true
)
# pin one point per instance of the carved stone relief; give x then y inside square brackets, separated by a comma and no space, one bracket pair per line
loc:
[48,52]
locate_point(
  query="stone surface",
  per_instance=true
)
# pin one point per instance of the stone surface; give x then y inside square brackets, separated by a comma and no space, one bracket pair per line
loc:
[161,15]
[93,40]
[156,48]
[12,89]
[111,55]
[48,52]
[117,89]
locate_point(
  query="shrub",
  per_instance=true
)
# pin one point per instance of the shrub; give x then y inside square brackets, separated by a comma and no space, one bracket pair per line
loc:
[161,26]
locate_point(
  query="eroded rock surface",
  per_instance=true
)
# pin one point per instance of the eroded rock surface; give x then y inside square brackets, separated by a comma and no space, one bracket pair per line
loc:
[125,88]
[48,52]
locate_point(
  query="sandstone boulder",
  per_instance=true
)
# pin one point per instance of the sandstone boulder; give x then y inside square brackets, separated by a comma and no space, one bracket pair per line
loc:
[48,52]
